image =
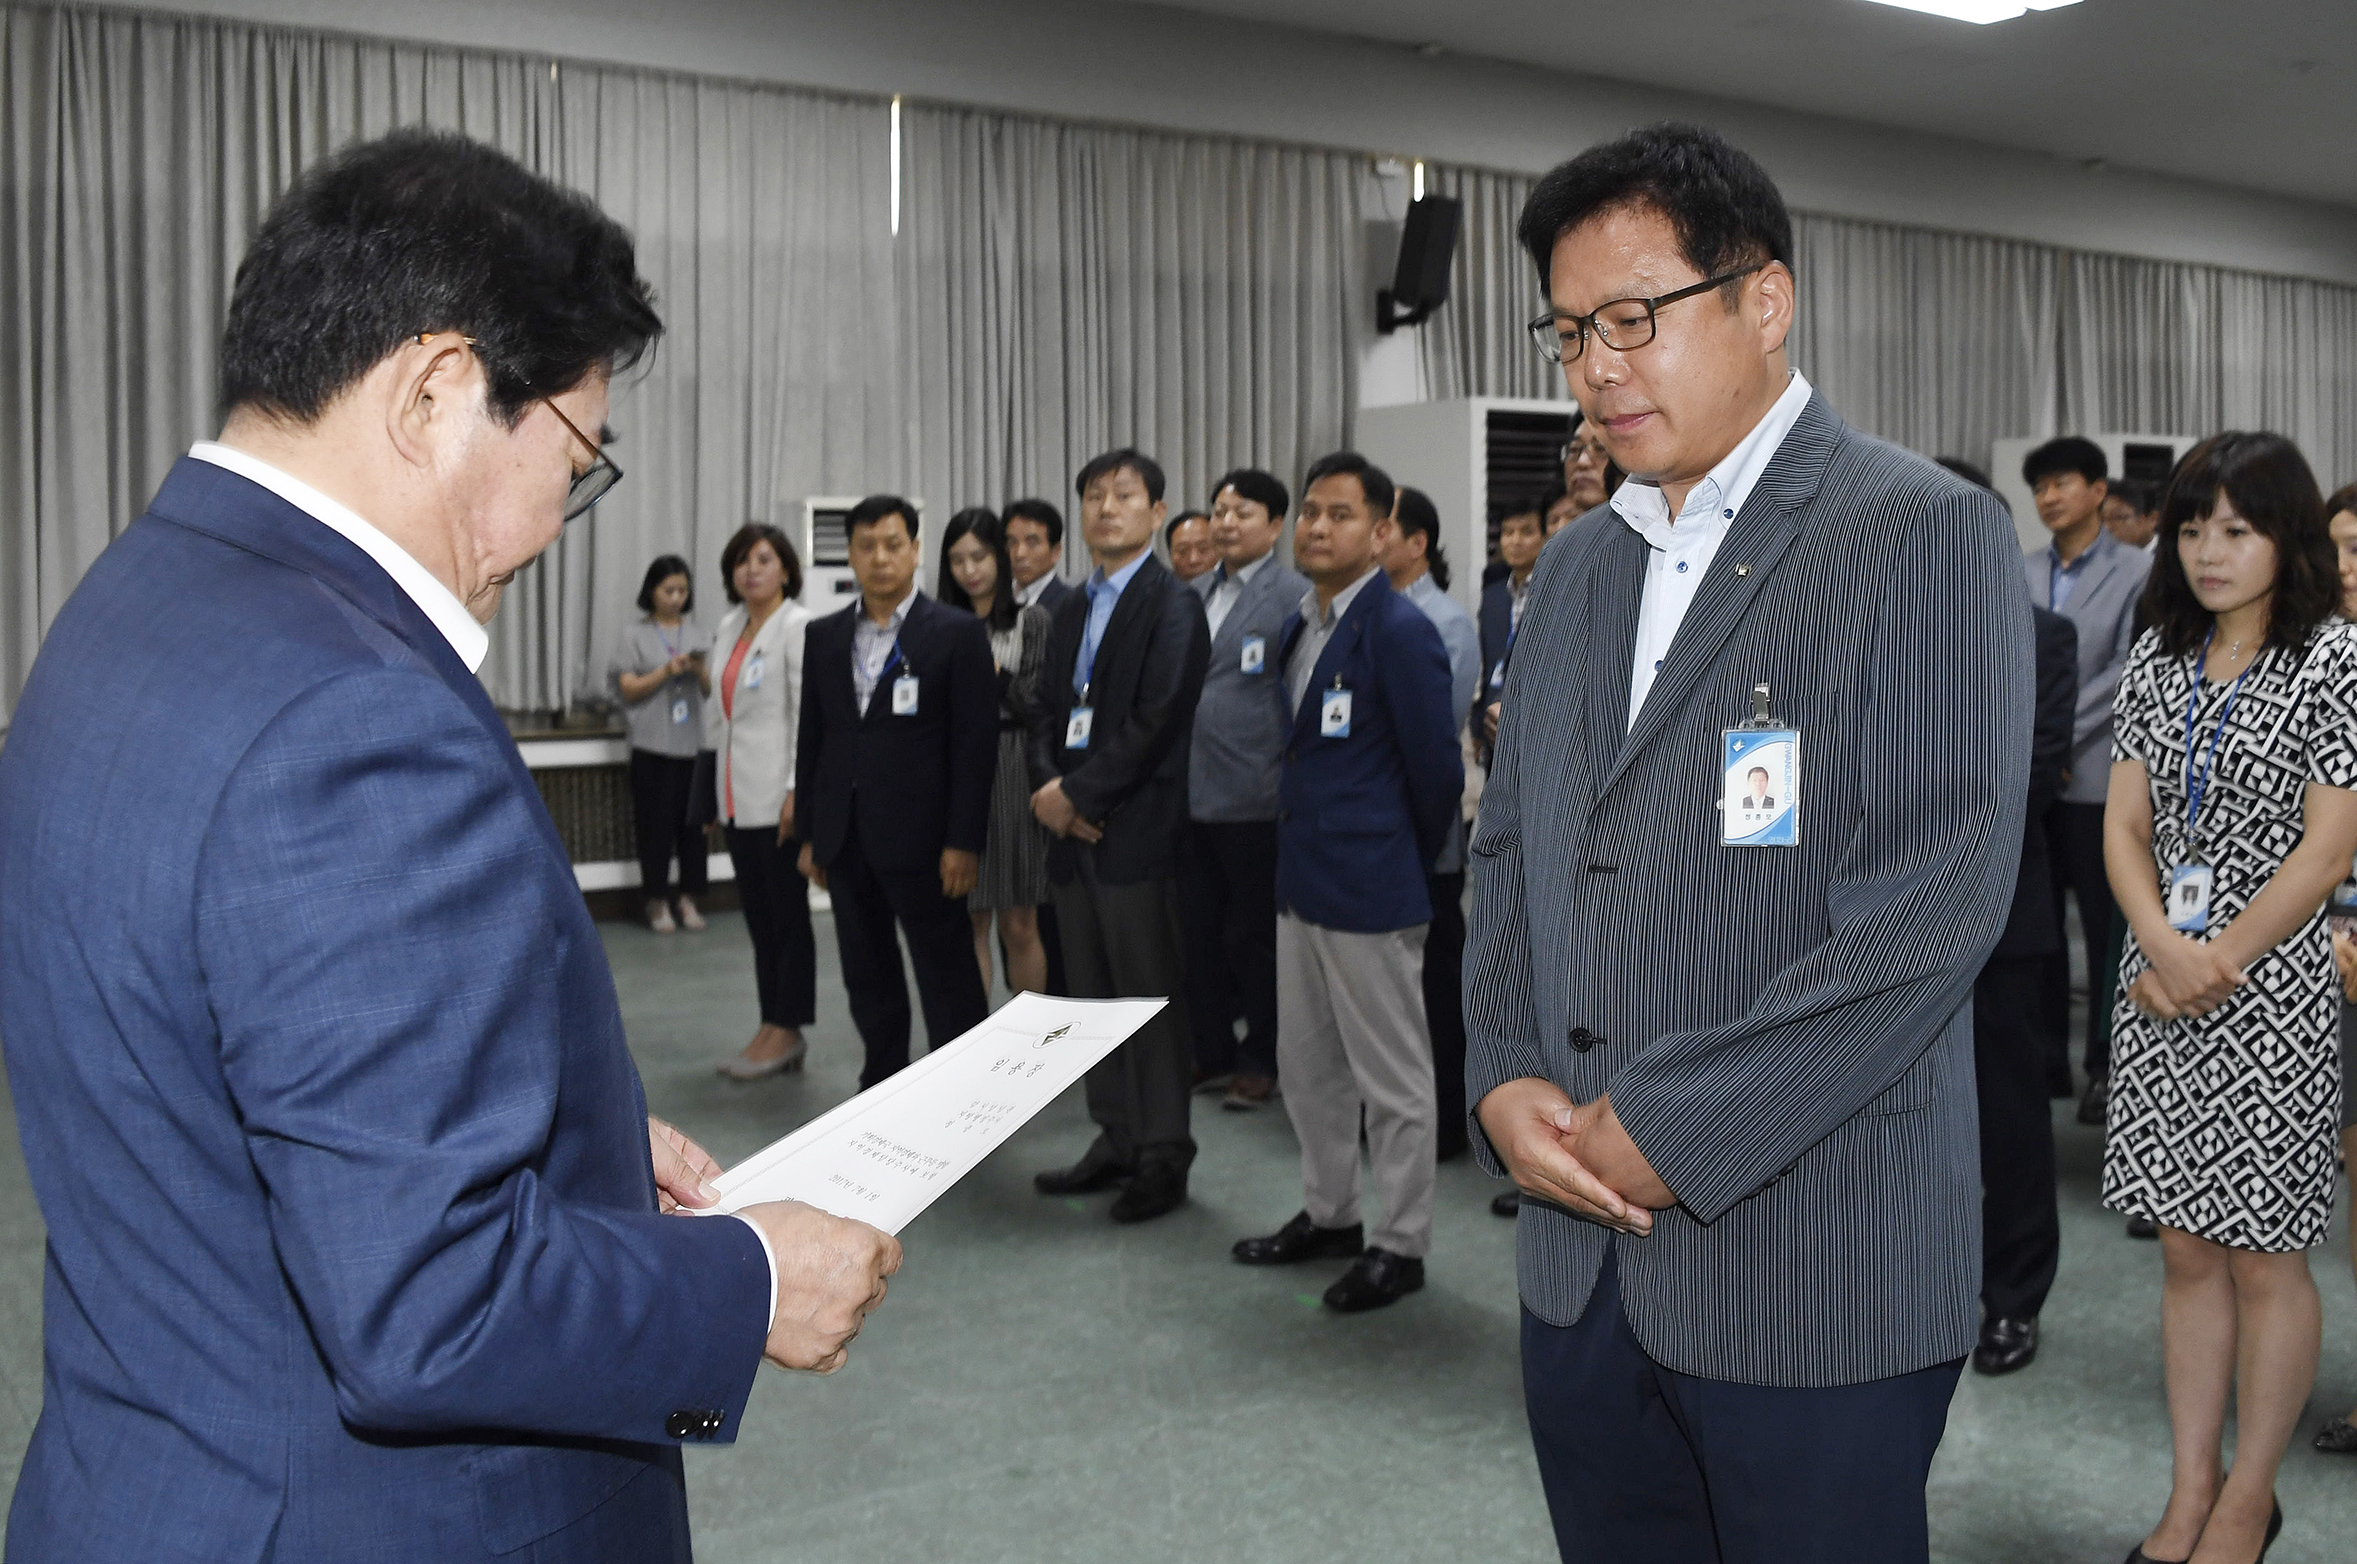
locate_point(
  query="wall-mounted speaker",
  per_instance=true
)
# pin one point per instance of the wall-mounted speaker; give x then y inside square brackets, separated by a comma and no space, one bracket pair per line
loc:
[1427,250]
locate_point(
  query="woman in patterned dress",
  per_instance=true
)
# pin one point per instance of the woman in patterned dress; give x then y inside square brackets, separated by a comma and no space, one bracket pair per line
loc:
[2230,819]
[976,576]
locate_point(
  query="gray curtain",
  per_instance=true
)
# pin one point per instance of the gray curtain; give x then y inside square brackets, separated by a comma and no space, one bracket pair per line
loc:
[1071,288]
[1478,342]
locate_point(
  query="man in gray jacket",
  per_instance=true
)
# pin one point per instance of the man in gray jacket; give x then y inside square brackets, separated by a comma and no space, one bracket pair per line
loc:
[1228,873]
[2095,581]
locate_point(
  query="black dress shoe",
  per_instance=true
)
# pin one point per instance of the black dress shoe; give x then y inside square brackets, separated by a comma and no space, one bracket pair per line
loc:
[1157,1190]
[2143,1227]
[1508,1204]
[2096,1101]
[2005,1345]
[2137,1555]
[2338,1437]
[1301,1239]
[1374,1279]
[1093,1172]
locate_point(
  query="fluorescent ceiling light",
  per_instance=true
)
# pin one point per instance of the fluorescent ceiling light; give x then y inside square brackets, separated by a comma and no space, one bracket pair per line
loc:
[1982,12]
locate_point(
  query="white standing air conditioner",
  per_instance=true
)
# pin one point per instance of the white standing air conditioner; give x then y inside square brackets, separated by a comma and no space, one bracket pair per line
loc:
[2149,457]
[1475,456]
[826,550]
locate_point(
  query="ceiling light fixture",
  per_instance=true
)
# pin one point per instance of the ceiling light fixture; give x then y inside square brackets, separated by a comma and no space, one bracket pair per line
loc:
[1978,12]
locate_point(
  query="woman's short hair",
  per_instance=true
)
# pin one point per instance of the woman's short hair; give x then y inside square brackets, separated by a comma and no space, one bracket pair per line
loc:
[981,524]
[663,569]
[2270,486]
[750,533]
[2341,499]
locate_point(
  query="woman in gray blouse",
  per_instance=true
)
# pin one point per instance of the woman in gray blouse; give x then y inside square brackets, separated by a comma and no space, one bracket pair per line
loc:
[659,675]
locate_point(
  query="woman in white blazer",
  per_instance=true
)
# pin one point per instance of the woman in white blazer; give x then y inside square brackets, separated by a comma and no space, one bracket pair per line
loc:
[751,722]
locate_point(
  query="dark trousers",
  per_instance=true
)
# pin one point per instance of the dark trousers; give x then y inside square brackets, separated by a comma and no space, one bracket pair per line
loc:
[1051,940]
[658,808]
[1228,899]
[1444,1008]
[1642,1463]
[1122,942]
[2074,846]
[2021,1235]
[776,900]
[940,935]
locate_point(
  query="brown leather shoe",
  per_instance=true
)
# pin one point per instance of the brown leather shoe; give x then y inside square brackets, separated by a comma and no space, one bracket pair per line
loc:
[1247,1092]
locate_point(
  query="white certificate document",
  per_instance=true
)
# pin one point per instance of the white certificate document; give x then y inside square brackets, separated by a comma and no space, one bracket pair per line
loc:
[897,1147]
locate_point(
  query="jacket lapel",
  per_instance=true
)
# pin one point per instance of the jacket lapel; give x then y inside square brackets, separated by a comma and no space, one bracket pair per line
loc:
[1755,543]
[1347,635]
[912,635]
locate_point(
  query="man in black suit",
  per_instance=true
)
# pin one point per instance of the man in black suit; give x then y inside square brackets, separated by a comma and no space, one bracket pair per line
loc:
[1035,543]
[892,772]
[1125,663]
[2021,1234]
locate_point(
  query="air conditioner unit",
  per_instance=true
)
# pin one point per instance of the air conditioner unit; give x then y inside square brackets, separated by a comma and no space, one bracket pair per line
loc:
[1477,457]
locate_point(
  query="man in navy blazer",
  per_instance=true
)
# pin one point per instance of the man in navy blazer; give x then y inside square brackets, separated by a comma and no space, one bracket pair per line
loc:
[892,773]
[357,1244]
[1372,776]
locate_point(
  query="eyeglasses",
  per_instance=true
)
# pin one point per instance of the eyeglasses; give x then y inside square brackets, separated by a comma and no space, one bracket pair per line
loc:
[589,486]
[1622,325]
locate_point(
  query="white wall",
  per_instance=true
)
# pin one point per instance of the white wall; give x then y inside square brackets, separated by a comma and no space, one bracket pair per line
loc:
[1095,59]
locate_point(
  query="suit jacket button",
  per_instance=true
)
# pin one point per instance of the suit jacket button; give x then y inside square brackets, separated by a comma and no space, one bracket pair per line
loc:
[681,1425]
[1582,1039]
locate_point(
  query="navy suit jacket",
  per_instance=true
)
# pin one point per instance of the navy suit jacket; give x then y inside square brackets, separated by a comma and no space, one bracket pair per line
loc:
[923,781]
[1361,818]
[1497,636]
[353,1249]
[2032,928]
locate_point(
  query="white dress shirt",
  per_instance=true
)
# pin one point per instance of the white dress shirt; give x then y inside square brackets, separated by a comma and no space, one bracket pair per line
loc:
[1680,551]
[1227,589]
[1025,596]
[436,601]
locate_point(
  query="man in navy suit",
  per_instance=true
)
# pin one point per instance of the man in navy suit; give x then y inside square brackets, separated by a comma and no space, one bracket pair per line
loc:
[357,1233]
[892,774]
[1372,777]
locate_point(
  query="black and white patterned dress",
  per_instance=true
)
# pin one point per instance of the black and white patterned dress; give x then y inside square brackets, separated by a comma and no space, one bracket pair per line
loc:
[1014,870]
[2223,1126]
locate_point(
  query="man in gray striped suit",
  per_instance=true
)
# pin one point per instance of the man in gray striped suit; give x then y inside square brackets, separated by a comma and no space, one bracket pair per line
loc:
[1735,1080]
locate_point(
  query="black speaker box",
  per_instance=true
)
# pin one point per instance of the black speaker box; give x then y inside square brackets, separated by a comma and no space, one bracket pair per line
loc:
[1427,249]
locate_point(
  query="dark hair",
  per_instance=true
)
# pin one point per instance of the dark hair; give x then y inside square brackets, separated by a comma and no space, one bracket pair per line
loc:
[1261,488]
[1148,470]
[1170,527]
[982,525]
[1374,482]
[2270,485]
[1725,209]
[750,533]
[1416,514]
[1967,471]
[874,509]
[1524,505]
[1040,511]
[2341,499]
[2071,453]
[2142,495]
[1556,489]
[663,569]
[426,231]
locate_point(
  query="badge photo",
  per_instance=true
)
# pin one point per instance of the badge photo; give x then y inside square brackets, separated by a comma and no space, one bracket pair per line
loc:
[1760,790]
[1334,715]
[1077,726]
[904,695]
[754,669]
[1256,654]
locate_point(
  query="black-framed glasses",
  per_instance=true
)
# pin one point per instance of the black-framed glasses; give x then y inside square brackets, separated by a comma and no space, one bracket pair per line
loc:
[1621,325]
[589,486]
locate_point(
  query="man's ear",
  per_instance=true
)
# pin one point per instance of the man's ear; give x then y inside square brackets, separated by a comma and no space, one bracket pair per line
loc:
[431,382]
[1778,298]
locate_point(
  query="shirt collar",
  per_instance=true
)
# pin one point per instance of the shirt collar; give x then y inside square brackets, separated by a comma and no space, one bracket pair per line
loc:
[1718,499]
[437,602]
[1341,604]
[898,614]
[1421,588]
[1025,596]
[2103,539]
[1243,574]
[1118,582]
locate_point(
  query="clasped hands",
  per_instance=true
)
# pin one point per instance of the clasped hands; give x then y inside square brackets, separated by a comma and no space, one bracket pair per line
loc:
[831,1271]
[2186,978]
[1059,814]
[1575,1155]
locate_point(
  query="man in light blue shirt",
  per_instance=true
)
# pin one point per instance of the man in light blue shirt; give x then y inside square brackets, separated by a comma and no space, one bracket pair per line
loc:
[1411,557]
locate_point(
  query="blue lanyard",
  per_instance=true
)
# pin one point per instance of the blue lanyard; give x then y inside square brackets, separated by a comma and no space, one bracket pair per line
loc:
[668,649]
[2198,783]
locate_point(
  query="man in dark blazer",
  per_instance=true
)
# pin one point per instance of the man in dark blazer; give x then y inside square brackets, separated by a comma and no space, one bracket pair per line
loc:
[1372,780]
[1228,872]
[892,774]
[1035,545]
[1736,1081]
[356,1235]
[1125,662]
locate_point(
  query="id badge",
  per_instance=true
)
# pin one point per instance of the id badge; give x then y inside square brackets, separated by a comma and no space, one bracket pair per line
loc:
[1760,788]
[1334,714]
[1497,676]
[2189,898]
[755,667]
[1256,654]
[679,710]
[1076,728]
[904,695]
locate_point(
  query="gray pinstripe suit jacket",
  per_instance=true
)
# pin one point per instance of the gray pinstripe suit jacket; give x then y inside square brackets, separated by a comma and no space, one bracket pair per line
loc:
[1786,1033]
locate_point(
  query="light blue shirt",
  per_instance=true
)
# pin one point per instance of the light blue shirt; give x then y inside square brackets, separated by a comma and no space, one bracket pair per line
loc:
[1462,637]
[874,647]
[2061,578]
[1103,593]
